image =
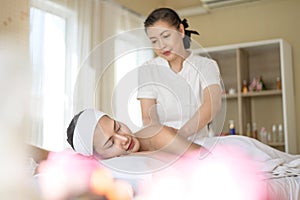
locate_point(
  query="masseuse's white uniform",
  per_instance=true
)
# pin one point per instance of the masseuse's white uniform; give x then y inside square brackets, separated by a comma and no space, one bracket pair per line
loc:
[178,95]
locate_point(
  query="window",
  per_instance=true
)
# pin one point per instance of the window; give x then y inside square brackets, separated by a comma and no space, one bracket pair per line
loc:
[61,42]
[129,46]
[51,75]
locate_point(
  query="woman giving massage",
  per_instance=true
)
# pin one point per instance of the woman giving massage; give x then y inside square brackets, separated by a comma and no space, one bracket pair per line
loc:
[92,132]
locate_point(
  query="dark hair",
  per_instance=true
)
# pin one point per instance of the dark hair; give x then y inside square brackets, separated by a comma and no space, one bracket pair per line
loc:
[170,16]
[71,128]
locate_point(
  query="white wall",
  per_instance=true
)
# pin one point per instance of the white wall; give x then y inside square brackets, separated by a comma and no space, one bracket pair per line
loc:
[14,100]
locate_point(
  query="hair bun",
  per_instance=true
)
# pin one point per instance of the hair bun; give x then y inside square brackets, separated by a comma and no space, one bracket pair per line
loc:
[184,23]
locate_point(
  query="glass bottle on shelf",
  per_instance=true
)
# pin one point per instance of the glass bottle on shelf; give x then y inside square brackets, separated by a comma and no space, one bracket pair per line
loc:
[263,135]
[260,84]
[278,83]
[280,134]
[269,137]
[253,85]
[274,133]
[231,127]
[254,131]
[245,87]
[248,131]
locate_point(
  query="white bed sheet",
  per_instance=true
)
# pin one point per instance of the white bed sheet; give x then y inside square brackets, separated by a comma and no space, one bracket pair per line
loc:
[286,188]
[282,169]
[137,170]
[283,172]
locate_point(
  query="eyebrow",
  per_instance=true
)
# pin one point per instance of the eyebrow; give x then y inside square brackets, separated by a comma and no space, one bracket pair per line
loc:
[115,125]
[159,34]
[107,141]
[111,135]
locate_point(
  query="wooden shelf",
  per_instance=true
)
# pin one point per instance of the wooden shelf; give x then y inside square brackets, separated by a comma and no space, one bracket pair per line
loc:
[253,94]
[230,96]
[268,60]
[262,93]
[276,144]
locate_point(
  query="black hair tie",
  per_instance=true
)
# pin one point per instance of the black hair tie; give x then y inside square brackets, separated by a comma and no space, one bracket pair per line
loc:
[188,32]
[184,23]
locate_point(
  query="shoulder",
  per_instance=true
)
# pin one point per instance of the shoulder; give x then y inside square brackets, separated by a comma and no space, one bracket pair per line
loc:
[203,64]
[153,66]
[154,61]
[155,131]
[197,59]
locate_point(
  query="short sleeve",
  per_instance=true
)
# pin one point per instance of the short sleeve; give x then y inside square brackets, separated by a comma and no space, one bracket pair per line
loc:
[210,74]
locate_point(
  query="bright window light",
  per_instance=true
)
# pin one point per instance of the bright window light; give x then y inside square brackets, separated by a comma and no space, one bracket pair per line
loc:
[48,49]
[127,107]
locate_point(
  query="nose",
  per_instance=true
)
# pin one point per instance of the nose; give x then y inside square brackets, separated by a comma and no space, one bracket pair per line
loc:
[122,138]
[160,44]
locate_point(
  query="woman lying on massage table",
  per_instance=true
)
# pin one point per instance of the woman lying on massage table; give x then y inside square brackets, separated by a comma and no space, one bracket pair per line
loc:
[92,132]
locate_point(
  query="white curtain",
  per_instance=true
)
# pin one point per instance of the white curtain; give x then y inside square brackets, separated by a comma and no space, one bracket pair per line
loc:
[99,25]
[93,29]
[51,66]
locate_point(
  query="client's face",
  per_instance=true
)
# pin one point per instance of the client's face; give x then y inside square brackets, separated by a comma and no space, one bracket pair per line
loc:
[113,138]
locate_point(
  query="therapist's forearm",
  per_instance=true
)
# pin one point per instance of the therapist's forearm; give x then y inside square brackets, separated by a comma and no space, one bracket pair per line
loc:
[206,112]
[149,114]
[200,119]
[165,139]
[148,121]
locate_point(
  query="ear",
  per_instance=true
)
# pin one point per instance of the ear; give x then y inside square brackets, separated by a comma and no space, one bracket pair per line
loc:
[181,30]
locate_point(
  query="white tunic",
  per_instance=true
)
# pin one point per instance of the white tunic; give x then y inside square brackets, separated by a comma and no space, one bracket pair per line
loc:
[178,95]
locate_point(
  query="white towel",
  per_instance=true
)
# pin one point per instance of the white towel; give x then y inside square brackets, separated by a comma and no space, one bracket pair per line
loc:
[275,163]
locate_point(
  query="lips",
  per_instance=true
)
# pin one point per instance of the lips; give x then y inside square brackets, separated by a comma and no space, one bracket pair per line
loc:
[166,53]
[131,145]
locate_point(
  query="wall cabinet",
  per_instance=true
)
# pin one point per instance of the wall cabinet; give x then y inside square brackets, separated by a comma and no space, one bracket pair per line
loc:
[271,60]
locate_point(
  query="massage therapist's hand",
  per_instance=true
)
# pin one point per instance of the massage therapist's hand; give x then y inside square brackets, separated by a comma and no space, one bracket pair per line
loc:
[183,132]
[172,129]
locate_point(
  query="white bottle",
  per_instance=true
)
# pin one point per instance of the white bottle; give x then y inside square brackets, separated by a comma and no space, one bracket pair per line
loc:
[280,133]
[269,137]
[248,131]
[274,133]
[263,135]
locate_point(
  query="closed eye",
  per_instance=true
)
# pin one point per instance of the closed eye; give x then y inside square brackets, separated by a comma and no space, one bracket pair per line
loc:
[166,36]
[109,143]
[117,127]
[153,41]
